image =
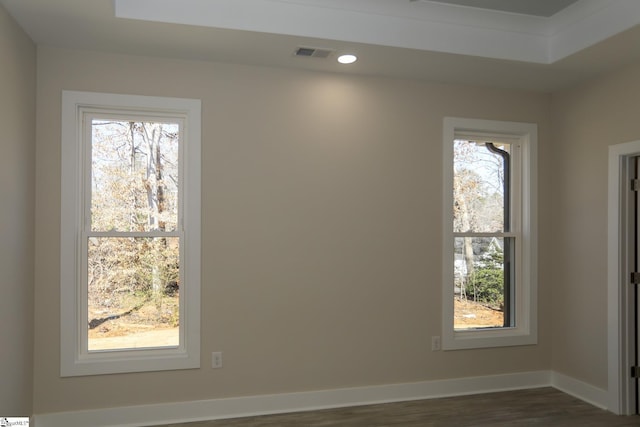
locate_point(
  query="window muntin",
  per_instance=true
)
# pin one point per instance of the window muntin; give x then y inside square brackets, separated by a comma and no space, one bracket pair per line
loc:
[489,235]
[130,232]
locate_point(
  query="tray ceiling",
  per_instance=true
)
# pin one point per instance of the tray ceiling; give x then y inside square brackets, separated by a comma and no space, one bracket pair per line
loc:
[444,40]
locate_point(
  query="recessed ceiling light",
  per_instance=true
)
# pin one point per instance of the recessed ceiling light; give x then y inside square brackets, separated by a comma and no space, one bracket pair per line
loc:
[347,59]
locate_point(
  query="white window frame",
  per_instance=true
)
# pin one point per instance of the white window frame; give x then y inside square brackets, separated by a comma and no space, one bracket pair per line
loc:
[75,359]
[524,228]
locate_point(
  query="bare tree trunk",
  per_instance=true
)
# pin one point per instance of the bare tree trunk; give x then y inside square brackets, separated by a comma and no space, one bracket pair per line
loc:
[467,250]
[133,220]
[156,202]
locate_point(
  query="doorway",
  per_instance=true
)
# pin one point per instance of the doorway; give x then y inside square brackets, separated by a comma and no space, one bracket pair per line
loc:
[623,285]
[631,189]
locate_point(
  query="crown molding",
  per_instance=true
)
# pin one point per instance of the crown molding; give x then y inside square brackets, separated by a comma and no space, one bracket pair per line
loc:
[421,25]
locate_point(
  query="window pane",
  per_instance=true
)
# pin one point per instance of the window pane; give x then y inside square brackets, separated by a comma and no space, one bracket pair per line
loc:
[133,298]
[479,187]
[479,282]
[134,176]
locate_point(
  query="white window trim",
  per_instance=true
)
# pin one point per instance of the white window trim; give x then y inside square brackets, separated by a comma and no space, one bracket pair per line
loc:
[525,331]
[75,359]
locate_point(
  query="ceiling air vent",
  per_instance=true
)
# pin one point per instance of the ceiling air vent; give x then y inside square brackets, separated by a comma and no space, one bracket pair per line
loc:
[313,52]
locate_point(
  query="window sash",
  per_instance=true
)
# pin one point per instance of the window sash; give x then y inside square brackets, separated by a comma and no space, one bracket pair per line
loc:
[480,234]
[88,117]
[513,305]
[83,308]
[88,114]
[510,260]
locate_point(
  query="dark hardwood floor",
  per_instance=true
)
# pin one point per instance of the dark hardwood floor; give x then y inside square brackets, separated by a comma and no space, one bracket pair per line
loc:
[535,407]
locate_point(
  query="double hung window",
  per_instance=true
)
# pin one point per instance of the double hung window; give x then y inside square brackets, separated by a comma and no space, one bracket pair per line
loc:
[130,233]
[489,234]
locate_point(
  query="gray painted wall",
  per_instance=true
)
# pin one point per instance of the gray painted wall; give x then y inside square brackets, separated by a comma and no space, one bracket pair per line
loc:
[17,208]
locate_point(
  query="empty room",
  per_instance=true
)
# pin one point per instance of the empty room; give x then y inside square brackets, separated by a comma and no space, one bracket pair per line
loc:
[319,212]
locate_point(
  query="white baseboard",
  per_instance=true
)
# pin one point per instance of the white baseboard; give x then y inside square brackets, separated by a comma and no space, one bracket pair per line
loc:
[180,412]
[583,391]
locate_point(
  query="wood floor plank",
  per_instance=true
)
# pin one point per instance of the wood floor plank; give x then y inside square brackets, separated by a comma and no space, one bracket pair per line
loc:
[535,407]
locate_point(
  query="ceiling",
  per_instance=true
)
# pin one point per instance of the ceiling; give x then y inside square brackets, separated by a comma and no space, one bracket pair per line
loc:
[545,8]
[542,45]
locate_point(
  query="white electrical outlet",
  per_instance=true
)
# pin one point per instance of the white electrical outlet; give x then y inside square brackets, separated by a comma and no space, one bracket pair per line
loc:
[435,343]
[216,359]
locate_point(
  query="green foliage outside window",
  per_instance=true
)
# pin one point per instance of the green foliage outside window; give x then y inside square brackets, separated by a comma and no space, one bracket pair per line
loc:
[487,280]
